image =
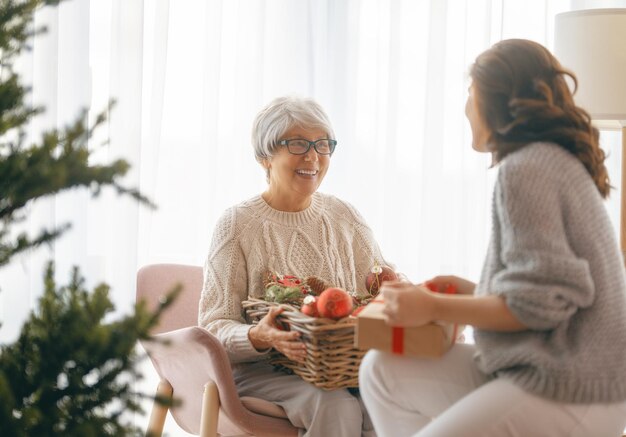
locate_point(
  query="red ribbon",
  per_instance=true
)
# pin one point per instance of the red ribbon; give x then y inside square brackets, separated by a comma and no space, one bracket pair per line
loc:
[397,334]
[397,340]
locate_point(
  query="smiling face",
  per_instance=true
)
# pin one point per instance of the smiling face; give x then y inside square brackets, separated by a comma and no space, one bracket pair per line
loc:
[294,178]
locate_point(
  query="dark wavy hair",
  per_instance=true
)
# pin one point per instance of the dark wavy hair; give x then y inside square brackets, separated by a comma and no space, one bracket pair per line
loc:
[522,96]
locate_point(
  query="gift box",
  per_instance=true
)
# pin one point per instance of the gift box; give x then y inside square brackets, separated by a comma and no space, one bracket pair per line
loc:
[372,332]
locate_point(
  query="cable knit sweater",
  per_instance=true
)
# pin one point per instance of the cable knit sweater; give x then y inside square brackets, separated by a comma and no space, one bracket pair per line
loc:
[329,239]
[554,258]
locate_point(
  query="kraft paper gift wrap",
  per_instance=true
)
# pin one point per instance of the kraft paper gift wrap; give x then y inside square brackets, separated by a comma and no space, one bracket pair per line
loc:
[431,340]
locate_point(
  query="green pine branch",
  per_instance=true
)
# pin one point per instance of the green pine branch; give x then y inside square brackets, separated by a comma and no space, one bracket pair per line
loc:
[14,112]
[61,159]
[9,248]
[59,163]
[70,372]
[17,25]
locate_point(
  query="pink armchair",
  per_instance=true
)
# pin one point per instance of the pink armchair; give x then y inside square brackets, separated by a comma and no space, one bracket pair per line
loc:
[195,368]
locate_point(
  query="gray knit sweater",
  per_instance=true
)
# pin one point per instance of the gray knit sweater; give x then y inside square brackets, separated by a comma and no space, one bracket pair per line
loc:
[554,258]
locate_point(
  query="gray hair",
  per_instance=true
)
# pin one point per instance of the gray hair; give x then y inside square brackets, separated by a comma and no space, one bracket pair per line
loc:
[282,114]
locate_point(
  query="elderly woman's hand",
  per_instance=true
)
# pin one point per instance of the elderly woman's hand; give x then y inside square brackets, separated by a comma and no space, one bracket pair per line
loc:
[266,334]
[407,304]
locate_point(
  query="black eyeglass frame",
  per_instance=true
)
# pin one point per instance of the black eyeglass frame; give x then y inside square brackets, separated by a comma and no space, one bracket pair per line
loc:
[331,143]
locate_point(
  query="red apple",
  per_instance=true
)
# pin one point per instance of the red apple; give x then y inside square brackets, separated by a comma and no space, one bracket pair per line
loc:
[309,306]
[377,276]
[334,303]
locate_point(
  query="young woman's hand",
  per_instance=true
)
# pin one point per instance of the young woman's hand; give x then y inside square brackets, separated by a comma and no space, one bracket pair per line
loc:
[463,286]
[407,304]
[267,334]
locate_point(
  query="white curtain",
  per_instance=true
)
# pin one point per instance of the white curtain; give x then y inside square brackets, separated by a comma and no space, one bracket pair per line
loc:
[188,78]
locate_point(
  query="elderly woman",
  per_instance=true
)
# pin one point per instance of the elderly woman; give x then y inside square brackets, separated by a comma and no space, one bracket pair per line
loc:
[292,229]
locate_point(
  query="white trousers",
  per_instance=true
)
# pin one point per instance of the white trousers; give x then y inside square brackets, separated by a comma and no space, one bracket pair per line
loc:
[449,396]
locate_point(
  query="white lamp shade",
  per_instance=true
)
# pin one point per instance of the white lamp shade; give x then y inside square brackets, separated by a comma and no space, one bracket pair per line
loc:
[592,43]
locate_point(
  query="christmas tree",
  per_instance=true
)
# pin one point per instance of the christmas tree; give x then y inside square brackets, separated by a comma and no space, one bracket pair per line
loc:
[69,373]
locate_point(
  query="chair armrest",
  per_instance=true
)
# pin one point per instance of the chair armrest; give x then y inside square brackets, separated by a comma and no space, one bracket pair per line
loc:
[189,357]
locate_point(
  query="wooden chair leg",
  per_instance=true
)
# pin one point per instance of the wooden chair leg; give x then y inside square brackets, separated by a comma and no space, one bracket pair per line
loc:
[210,410]
[159,412]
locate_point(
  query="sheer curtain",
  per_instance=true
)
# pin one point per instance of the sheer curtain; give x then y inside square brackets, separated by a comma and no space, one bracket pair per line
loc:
[189,77]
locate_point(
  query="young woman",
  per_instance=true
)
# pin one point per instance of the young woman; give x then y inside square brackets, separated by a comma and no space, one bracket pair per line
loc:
[549,311]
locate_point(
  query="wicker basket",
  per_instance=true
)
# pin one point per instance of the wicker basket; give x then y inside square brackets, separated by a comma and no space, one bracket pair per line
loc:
[332,361]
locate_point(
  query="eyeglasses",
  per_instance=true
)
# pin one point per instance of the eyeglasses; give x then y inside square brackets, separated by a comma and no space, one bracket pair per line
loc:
[299,146]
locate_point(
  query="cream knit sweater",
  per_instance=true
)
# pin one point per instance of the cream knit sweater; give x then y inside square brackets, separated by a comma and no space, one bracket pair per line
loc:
[329,239]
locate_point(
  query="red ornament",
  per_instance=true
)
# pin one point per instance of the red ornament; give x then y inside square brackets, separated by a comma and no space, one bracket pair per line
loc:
[334,303]
[377,276]
[309,306]
[431,286]
[450,289]
[446,288]
[289,281]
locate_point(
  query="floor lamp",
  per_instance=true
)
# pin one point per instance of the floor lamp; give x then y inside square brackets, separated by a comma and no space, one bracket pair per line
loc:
[592,43]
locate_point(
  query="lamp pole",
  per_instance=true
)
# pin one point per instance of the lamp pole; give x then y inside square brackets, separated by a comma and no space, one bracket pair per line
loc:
[622,226]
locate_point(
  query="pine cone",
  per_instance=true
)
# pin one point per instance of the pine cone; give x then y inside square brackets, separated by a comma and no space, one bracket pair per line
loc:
[268,277]
[317,285]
